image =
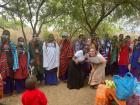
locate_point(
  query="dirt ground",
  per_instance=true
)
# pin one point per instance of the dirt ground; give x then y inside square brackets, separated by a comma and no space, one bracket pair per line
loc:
[60,95]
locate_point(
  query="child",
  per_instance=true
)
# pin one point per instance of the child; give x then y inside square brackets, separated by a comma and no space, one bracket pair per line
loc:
[33,96]
[34,70]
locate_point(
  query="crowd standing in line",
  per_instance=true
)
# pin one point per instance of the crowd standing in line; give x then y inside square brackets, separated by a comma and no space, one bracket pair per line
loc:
[68,61]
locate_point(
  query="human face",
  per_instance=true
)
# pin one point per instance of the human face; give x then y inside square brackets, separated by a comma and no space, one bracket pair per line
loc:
[86,48]
[5,37]
[121,36]
[92,52]
[64,37]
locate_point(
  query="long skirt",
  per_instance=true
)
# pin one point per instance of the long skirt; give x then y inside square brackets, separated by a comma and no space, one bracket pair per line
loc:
[107,69]
[135,73]
[86,69]
[8,85]
[122,70]
[63,70]
[75,76]
[113,68]
[96,76]
[51,77]
[40,77]
[19,85]
[64,77]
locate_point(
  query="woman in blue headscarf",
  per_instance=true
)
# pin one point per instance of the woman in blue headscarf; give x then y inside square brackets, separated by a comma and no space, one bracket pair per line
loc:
[8,62]
[135,61]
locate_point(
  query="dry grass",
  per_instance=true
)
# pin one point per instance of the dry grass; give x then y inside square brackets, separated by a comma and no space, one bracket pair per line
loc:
[15,33]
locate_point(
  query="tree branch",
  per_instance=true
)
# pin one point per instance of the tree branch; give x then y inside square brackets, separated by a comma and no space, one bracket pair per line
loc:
[37,13]
[85,15]
[2,28]
[135,6]
[22,27]
[3,5]
[30,18]
[41,25]
[104,15]
[109,12]
[53,18]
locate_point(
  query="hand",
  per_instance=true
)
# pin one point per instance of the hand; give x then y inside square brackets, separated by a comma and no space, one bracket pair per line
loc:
[0,77]
[76,61]
[129,67]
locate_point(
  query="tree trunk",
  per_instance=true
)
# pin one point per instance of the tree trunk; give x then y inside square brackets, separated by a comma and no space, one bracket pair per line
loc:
[22,27]
[1,27]
[34,33]
[92,32]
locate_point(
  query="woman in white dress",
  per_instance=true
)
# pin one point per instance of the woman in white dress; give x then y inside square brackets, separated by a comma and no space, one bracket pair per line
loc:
[51,53]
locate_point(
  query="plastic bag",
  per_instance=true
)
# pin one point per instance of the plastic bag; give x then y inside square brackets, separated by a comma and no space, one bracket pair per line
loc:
[124,86]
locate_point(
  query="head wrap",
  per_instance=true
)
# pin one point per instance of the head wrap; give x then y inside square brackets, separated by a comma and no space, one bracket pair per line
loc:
[64,34]
[50,38]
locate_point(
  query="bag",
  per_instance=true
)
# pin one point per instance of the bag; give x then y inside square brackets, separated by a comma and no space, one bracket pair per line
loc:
[101,98]
[124,86]
[137,88]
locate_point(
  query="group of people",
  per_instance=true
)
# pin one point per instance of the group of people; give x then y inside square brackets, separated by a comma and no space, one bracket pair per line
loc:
[122,55]
[69,61]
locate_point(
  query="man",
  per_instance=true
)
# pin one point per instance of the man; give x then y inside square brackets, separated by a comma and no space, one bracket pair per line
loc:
[66,54]
[8,62]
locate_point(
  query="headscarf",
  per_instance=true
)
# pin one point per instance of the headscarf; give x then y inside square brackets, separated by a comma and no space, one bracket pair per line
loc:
[64,35]
[50,38]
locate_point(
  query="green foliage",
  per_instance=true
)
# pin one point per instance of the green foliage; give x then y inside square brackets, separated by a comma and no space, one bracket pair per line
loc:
[109,28]
[45,34]
[9,23]
[73,16]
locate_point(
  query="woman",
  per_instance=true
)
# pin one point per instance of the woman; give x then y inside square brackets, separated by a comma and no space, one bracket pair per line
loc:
[98,63]
[114,56]
[21,74]
[51,55]
[35,49]
[123,57]
[135,61]
[8,62]
[66,54]
[75,72]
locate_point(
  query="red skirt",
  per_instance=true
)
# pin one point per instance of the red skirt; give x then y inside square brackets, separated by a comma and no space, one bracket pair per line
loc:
[4,67]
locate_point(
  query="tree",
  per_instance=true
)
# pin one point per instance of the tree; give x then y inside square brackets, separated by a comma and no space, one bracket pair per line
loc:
[35,13]
[74,15]
[89,14]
